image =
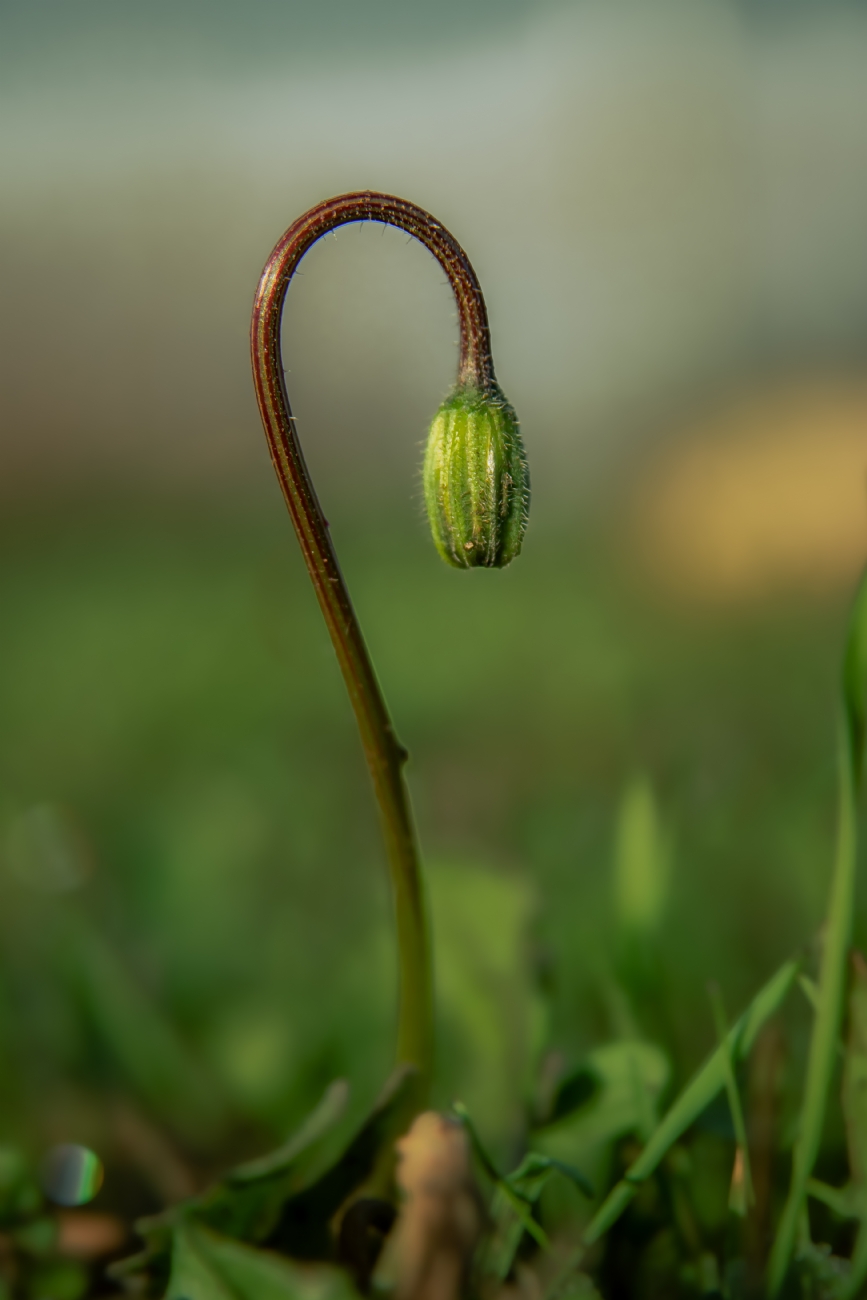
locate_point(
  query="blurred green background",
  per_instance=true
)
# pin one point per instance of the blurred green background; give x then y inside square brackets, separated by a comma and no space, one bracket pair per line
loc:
[622,747]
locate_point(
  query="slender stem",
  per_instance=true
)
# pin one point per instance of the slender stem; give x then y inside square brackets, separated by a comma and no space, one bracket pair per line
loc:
[837,936]
[741,1196]
[826,1025]
[384,753]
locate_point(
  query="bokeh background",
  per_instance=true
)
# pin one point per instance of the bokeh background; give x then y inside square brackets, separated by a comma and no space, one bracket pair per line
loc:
[622,747]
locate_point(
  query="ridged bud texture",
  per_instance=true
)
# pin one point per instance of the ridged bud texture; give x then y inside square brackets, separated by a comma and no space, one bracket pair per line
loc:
[476,482]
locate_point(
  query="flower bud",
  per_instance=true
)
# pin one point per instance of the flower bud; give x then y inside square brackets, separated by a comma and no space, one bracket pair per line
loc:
[476,482]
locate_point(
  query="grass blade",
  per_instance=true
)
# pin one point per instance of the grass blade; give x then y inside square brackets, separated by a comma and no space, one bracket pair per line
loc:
[838,931]
[696,1096]
[741,1196]
[521,1208]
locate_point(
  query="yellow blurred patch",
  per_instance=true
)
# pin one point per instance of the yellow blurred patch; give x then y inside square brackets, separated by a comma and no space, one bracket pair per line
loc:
[769,493]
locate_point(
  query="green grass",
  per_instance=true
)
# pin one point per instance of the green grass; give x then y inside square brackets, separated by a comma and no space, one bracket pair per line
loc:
[167,682]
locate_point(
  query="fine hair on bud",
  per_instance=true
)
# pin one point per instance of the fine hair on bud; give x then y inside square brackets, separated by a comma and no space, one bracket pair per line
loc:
[476,481]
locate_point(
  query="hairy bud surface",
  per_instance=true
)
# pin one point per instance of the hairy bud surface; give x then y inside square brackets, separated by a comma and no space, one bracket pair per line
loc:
[476,481]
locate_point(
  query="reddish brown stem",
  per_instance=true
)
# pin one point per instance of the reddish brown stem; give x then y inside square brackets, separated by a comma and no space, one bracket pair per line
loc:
[385,755]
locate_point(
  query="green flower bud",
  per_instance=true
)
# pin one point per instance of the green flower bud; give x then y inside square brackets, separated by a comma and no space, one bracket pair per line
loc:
[476,481]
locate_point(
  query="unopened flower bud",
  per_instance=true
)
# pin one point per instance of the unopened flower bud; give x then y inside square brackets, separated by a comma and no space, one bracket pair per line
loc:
[476,482]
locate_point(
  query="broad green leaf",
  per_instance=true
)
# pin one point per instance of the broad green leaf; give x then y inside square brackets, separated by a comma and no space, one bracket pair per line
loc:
[630,1078]
[317,1124]
[193,1276]
[303,1227]
[247,1202]
[253,1274]
[270,1198]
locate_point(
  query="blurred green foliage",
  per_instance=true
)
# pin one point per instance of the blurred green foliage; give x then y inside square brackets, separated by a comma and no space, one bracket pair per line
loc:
[194,917]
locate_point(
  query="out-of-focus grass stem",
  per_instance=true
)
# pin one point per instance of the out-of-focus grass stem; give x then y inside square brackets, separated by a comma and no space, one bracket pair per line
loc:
[837,935]
[741,1196]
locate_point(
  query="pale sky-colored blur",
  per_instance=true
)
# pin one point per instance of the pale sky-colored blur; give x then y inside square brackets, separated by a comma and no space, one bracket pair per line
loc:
[664,200]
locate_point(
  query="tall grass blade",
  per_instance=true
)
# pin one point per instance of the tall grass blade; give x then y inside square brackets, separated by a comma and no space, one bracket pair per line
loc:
[741,1196]
[642,866]
[837,935]
[696,1096]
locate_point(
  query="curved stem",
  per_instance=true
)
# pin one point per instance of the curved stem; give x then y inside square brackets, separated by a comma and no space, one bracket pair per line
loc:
[384,753]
